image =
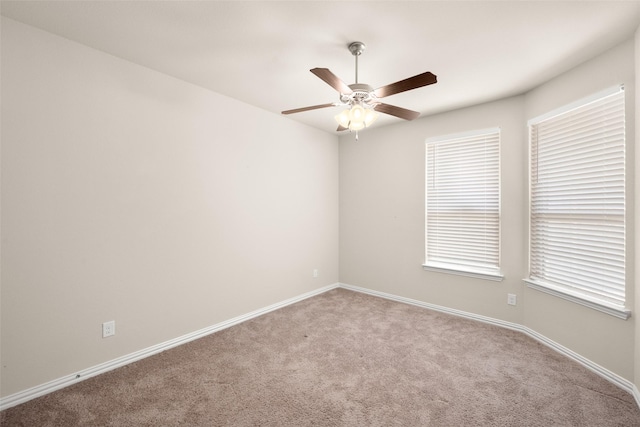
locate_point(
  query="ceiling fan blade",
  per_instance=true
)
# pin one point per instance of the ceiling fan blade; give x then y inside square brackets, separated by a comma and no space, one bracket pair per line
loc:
[341,128]
[414,82]
[402,113]
[332,80]
[313,107]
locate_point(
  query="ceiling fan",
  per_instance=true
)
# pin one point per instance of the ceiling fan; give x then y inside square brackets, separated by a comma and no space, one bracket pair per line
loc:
[362,100]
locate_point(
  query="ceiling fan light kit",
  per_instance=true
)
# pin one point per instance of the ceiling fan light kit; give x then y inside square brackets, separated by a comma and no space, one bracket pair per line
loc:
[356,118]
[362,100]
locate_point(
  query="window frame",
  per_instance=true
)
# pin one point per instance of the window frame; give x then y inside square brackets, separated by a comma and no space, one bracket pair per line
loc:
[486,272]
[567,291]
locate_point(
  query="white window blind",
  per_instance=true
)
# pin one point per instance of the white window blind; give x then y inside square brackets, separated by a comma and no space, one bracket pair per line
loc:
[578,203]
[463,204]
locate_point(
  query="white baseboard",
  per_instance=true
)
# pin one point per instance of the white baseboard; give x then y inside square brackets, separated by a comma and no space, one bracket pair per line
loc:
[51,386]
[623,383]
[41,390]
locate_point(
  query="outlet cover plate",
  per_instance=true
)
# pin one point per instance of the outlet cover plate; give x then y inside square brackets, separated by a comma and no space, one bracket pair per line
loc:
[108,328]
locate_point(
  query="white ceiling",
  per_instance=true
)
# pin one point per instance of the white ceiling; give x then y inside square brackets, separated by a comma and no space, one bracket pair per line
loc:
[261,52]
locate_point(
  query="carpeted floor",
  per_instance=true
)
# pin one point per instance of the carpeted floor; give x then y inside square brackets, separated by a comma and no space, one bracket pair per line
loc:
[343,359]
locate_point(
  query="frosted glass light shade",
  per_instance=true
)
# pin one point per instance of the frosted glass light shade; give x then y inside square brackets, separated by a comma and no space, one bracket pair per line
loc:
[370,116]
[356,114]
[356,125]
[356,118]
[343,118]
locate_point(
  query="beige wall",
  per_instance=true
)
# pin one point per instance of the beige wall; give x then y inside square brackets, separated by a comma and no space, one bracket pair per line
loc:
[382,211]
[382,215]
[606,340]
[132,196]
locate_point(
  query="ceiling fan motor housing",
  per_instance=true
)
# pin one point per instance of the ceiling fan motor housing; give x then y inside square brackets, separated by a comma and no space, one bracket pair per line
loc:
[362,93]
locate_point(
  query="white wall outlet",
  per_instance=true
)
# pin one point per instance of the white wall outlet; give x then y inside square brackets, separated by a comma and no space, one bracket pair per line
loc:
[108,328]
[315,273]
[511,299]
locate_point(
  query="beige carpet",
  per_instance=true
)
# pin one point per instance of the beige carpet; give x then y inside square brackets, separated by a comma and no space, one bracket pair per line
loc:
[343,359]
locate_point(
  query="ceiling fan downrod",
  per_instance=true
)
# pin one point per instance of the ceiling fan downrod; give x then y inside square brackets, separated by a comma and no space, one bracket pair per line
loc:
[356,49]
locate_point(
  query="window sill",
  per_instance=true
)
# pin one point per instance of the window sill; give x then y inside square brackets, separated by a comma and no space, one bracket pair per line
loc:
[610,309]
[495,276]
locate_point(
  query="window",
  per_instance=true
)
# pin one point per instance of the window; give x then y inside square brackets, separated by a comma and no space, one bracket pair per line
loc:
[577,212]
[462,231]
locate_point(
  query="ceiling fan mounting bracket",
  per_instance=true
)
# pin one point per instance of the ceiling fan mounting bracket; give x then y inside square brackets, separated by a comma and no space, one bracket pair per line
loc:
[356,48]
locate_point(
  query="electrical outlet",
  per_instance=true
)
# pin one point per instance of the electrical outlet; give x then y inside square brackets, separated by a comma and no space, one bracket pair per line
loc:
[511,299]
[108,328]
[315,273]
